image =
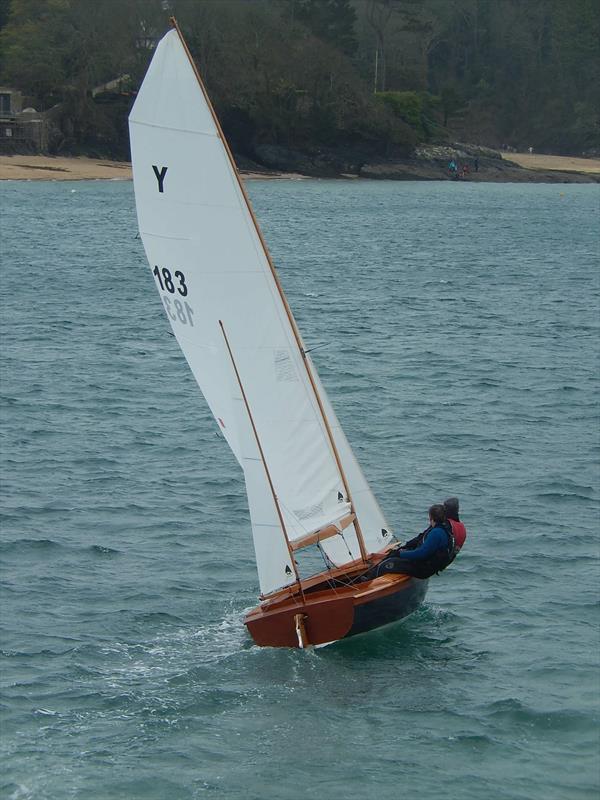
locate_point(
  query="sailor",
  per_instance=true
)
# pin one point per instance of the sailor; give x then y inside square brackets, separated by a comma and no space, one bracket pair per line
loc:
[426,554]
[458,529]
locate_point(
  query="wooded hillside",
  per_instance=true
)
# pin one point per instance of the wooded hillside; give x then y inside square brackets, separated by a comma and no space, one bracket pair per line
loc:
[377,74]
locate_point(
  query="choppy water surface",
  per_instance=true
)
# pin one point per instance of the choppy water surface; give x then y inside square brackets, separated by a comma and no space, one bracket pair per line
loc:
[461,324]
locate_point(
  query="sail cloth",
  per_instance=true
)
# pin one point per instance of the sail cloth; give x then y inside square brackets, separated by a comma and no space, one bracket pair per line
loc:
[215,281]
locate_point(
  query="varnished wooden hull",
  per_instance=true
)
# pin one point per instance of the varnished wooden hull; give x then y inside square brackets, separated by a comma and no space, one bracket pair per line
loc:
[328,614]
[386,608]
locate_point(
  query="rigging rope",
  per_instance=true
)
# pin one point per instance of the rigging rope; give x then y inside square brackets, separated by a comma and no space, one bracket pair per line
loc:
[329,564]
[316,347]
[347,545]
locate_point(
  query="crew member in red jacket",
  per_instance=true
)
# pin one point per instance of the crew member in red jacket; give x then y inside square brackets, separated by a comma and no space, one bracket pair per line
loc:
[458,529]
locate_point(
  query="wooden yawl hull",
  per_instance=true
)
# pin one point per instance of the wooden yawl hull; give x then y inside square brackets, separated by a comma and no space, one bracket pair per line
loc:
[325,614]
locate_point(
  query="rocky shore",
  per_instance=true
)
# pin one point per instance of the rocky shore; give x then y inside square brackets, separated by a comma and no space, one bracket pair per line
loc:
[427,163]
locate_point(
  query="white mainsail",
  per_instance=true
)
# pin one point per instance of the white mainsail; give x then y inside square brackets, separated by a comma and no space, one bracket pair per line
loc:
[229,316]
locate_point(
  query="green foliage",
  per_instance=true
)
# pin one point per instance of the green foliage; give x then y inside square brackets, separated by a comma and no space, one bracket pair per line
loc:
[58,51]
[33,43]
[406,105]
[301,73]
[451,102]
[331,20]
[414,108]
[274,81]
[4,12]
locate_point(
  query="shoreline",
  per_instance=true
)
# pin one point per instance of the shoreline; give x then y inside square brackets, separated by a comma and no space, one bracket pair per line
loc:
[82,168]
[62,168]
[532,167]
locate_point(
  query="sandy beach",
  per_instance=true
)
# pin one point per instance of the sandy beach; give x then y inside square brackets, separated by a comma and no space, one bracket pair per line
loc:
[61,168]
[57,168]
[562,163]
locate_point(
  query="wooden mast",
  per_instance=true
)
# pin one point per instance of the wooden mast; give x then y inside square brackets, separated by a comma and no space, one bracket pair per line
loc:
[292,321]
[262,458]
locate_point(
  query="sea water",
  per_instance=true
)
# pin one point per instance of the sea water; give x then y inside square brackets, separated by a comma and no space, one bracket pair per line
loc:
[455,327]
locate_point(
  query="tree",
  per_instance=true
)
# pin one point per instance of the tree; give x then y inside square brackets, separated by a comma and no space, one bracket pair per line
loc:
[34,44]
[379,13]
[451,102]
[301,72]
[330,20]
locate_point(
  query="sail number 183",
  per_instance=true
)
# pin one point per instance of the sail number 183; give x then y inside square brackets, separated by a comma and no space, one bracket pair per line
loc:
[165,280]
[172,283]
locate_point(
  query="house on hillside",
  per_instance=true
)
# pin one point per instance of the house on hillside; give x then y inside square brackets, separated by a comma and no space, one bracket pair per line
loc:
[20,128]
[11,102]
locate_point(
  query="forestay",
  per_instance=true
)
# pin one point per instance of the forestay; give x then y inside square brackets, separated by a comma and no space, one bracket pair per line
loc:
[217,288]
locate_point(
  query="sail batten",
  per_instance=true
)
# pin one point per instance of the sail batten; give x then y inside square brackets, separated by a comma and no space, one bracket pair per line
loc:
[175,130]
[215,277]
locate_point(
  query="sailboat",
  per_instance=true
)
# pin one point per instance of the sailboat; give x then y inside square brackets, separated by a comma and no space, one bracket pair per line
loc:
[227,309]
